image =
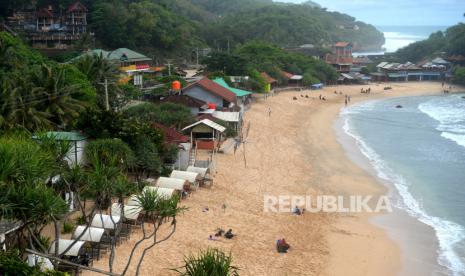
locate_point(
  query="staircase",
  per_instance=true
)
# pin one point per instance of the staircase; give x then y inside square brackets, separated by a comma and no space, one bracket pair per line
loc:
[192,156]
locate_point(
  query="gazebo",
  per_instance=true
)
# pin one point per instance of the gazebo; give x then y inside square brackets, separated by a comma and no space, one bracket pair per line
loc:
[205,134]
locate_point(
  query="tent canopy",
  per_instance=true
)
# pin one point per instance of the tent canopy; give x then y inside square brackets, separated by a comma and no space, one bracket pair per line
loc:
[133,201]
[201,171]
[92,234]
[131,212]
[192,177]
[172,183]
[163,192]
[105,221]
[64,244]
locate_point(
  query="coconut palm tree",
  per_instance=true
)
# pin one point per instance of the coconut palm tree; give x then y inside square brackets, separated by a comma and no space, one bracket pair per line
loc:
[98,69]
[19,105]
[56,96]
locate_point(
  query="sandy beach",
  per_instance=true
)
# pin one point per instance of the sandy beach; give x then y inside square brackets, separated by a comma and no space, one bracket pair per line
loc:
[295,151]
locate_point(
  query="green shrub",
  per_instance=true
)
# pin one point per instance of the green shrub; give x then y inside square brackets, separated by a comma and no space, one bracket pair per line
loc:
[209,262]
[67,228]
[12,265]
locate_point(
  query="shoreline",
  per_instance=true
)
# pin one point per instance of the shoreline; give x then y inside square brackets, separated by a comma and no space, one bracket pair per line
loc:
[417,241]
[294,152]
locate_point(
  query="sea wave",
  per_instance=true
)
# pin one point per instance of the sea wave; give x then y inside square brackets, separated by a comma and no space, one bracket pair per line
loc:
[450,113]
[397,40]
[448,233]
[403,36]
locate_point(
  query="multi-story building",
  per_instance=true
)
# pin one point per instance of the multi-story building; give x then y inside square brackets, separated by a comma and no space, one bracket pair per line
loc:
[50,27]
[341,57]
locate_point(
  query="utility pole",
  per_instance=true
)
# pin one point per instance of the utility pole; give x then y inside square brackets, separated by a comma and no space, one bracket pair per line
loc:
[169,68]
[107,102]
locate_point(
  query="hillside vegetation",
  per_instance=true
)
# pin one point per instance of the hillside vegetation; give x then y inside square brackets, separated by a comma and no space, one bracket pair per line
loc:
[176,26]
[450,42]
[446,44]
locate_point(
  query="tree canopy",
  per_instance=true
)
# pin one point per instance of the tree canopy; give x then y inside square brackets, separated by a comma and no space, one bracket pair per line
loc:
[175,27]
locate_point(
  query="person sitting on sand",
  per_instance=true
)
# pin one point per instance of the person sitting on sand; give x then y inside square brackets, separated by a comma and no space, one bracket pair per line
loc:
[297,211]
[219,232]
[282,246]
[229,235]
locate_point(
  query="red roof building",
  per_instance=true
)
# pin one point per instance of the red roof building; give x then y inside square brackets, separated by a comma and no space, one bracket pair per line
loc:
[341,57]
[208,91]
[267,78]
[44,13]
[77,7]
[287,75]
[172,136]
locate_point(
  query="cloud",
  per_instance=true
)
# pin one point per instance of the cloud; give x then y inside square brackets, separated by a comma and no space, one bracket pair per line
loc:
[398,12]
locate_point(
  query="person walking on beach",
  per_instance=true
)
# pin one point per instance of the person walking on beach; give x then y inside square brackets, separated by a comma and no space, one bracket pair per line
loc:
[346,101]
[269,111]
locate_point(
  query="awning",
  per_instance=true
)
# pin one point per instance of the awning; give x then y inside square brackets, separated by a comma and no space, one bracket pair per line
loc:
[133,201]
[105,221]
[92,234]
[208,123]
[192,177]
[131,212]
[64,244]
[201,171]
[172,183]
[227,116]
[296,77]
[162,192]
[347,76]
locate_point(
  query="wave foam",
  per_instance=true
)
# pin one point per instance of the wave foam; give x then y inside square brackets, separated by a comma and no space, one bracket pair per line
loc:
[448,233]
[450,113]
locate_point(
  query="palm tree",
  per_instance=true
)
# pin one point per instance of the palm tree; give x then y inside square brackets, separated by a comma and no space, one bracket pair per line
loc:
[7,54]
[18,105]
[24,169]
[56,95]
[98,69]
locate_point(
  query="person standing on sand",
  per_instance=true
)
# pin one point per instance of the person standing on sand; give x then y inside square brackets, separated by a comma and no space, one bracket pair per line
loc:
[346,101]
[269,111]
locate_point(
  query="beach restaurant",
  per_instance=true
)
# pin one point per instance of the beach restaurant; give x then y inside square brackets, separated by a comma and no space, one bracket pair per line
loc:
[410,72]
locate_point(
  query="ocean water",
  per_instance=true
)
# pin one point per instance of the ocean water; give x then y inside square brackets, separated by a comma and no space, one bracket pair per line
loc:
[401,36]
[420,150]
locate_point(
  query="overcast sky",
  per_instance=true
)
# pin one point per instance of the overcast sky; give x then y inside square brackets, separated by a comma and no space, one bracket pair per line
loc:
[398,12]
